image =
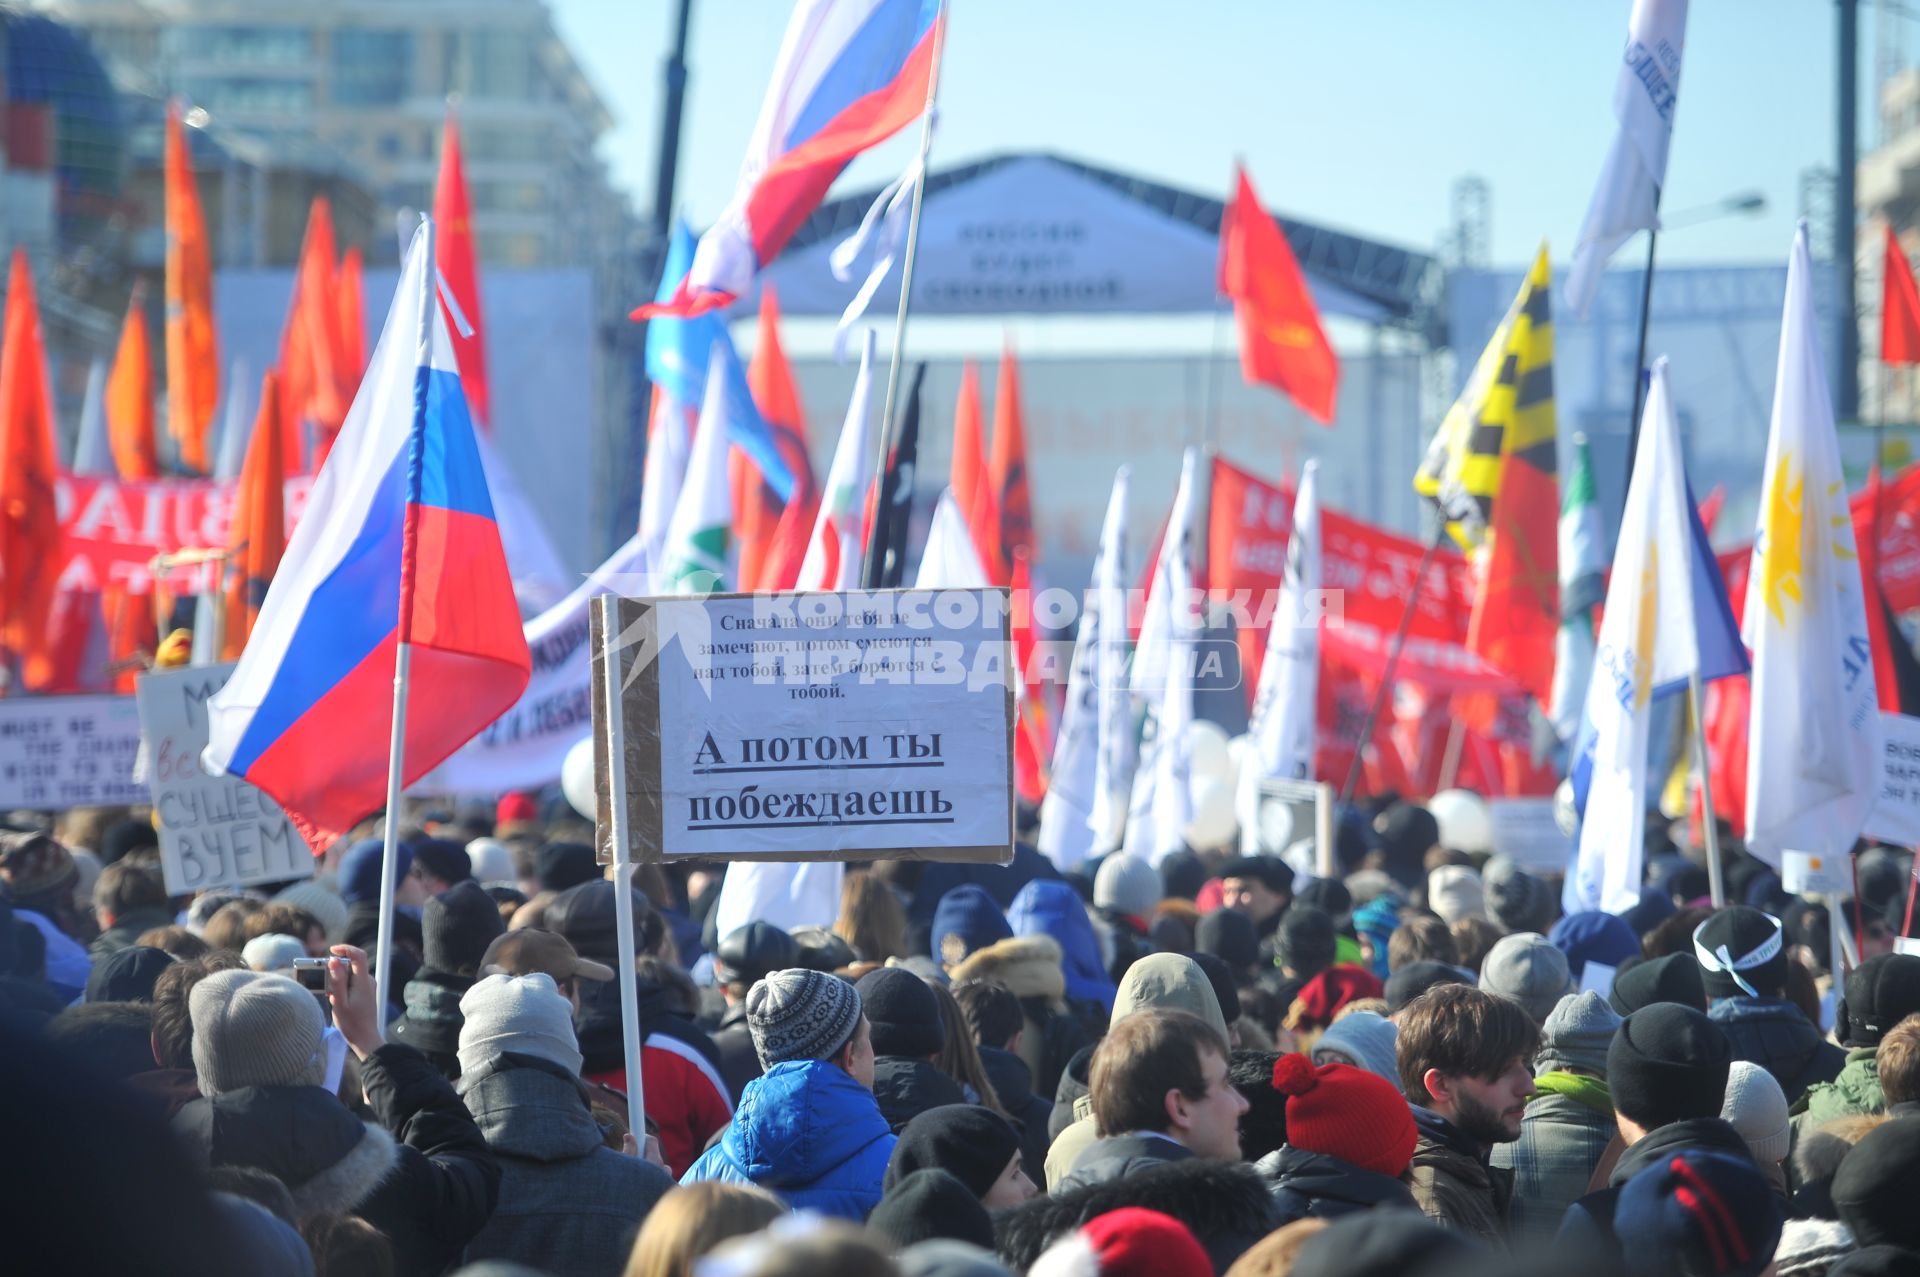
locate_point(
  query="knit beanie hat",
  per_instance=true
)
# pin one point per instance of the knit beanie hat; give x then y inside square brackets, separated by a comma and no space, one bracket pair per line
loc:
[1384,1242]
[1126,884]
[1362,1039]
[524,1014]
[967,919]
[1741,951]
[1873,1189]
[490,860]
[1516,900]
[927,1205]
[1183,875]
[1698,1214]
[1455,892]
[1674,978]
[1331,897]
[125,836]
[798,1014]
[360,869]
[585,915]
[1577,1034]
[1229,935]
[903,1013]
[1526,968]
[1757,1108]
[1347,1113]
[943,1257]
[445,860]
[972,1143]
[456,927]
[1809,1247]
[515,809]
[1407,832]
[255,1029]
[272,952]
[1668,1063]
[1226,990]
[1129,1242]
[1414,979]
[1321,998]
[35,871]
[1596,936]
[326,906]
[1305,940]
[1880,993]
[561,865]
[1376,920]
[127,975]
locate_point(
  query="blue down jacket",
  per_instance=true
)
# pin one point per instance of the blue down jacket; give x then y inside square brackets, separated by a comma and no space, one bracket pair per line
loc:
[1052,908]
[809,1132]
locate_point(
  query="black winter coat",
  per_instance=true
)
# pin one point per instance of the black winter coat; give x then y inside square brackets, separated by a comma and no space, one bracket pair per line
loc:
[1013,1087]
[1776,1035]
[1225,1205]
[739,1058]
[1319,1186]
[1588,1226]
[905,1088]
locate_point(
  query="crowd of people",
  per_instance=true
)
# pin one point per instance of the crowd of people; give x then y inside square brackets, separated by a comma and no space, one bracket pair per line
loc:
[1215,1065]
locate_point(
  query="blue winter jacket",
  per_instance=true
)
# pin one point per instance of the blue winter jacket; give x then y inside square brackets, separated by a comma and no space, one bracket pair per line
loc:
[808,1132]
[1050,907]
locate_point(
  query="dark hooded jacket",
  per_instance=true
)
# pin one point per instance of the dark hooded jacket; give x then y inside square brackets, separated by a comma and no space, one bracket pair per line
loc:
[1013,1087]
[1588,1227]
[1225,1205]
[424,1176]
[904,1088]
[739,1058]
[568,1203]
[1776,1035]
[1319,1186]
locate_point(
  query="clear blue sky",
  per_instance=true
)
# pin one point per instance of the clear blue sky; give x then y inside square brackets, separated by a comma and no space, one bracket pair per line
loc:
[1357,114]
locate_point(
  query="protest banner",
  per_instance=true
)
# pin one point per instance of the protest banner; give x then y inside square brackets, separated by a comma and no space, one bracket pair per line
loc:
[1895,818]
[68,751]
[811,726]
[1526,832]
[215,831]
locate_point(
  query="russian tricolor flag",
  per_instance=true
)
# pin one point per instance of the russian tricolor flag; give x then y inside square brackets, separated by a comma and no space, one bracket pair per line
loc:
[851,74]
[398,546]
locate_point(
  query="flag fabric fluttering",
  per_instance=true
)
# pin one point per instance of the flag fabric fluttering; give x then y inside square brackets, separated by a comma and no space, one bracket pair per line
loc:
[1282,343]
[1899,306]
[834,553]
[967,467]
[309,363]
[893,514]
[1813,738]
[949,561]
[1161,806]
[1073,822]
[1583,565]
[1119,750]
[130,396]
[400,513]
[257,534]
[757,507]
[693,559]
[1286,706]
[1491,469]
[1663,626]
[459,267]
[1011,531]
[1627,197]
[193,360]
[350,314]
[92,447]
[30,535]
[850,74]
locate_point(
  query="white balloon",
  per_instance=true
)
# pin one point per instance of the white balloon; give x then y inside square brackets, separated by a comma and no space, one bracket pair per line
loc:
[1214,823]
[577,778]
[1207,745]
[1239,749]
[1463,820]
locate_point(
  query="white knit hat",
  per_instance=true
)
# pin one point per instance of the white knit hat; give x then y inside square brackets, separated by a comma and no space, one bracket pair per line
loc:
[272,952]
[491,861]
[1455,892]
[255,1029]
[326,906]
[524,1014]
[1757,1108]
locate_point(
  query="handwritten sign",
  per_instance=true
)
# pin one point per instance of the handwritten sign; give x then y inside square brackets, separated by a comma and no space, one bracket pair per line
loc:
[215,831]
[1895,817]
[68,751]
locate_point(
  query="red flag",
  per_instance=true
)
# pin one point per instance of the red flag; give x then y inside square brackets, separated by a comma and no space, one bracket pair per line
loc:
[257,532]
[757,507]
[351,314]
[1899,307]
[967,476]
[1516,609]
[1281,340]
[193,361]
[309,360]
[1033,733]
[1011,533]
[453,253]
[30,539]
[130,395]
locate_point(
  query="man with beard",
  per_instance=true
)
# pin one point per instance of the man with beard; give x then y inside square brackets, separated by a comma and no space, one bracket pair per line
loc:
[1465,1061]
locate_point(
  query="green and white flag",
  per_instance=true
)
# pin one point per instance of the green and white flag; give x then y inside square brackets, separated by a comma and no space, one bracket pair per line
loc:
[1583,562]
[693,558]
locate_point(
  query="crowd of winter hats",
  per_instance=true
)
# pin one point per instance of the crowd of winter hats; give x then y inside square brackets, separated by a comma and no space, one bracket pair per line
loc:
[1206,1065]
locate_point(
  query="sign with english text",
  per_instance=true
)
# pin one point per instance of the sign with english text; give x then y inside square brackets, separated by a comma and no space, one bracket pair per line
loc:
[68,751]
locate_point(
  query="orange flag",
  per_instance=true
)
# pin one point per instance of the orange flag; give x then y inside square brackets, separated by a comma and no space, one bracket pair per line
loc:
[972,490]
[1033,733]
[1012,532]
[193,360]
[459,265]
[309,362]
[351,340]
[130,396]
[1281,341]
[757,507]
[30,540]
[257,534]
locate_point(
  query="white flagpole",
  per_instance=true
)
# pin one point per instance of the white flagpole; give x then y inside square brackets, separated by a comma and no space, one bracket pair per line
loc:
[622,867]
[402,663]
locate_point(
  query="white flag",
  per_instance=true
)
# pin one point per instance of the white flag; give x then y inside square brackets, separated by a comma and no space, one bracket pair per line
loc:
[1627,198]
[1162,801]
[540,579]
[833,558]
[1647,646]
[1813,737]
[92,451]
[1071,820]
[693,557]
[1284,709]
[1119,741]
[949,560]
[668,443]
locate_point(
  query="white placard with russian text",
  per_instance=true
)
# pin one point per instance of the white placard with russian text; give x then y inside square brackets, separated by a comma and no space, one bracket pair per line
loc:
[1895,817]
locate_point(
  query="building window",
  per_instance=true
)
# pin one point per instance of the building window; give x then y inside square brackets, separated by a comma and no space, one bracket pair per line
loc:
[491,64]
[372,68]
[260,45]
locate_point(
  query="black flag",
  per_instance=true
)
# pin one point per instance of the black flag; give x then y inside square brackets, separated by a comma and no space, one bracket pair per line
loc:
[887,565]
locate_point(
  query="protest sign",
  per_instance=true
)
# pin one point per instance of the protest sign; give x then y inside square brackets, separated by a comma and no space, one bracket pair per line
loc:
[1525,832]
[1895,818]
[68,751]
[811,726]
[215,831]
[1805,873]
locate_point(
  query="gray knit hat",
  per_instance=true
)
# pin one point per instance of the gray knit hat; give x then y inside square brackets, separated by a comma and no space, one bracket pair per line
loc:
[1126,883]
[798,1014]
[1362,1039]
[1757,1108]
[1516,900]
[1577,1034]
[255,1029]
[524,1014]
[1526,968]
